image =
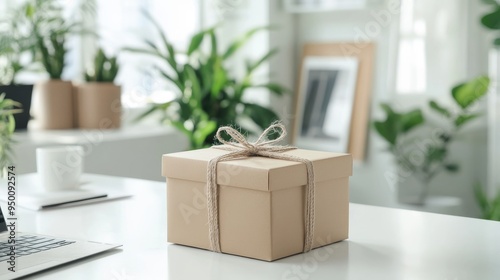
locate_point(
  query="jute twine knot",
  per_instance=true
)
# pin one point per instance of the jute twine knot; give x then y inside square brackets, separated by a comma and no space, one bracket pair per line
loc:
[241,148]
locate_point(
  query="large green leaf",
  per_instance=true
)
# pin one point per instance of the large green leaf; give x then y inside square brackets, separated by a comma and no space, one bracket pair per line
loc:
[169,77]
[237,44]
[11,124]
[167,45]
[440,109]
[196,42]
[154,108]
[387,109]
[213,43]
[387,130]
[252,66]
[496,42]
[180,126]
[190,75]
[29,10]
[203,130]
[185,110]
[490,2]
[144,51]
[481,198]
[274,88]
[206,76]
[436,154]
[219,78]
[171,58]
[390,128]
[495,208]
[452,167]
[467,93]
[463,119]
[152,45]
[260,115]
[492,20]
[490,208]
[411,120]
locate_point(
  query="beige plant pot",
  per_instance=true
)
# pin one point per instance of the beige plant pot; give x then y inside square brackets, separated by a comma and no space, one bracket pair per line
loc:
[52,106]
[98,106]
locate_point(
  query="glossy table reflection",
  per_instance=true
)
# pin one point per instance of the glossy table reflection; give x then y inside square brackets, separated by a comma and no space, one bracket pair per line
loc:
[384,243]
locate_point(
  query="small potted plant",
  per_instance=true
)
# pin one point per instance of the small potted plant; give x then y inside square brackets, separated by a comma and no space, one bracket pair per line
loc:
[53,99]
[418,162]
[99,99]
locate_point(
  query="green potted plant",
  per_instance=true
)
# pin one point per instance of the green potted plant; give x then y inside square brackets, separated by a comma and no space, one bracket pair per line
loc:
[7,126]
[99,99]
[419,161]
[16,49]
[208,95]
[53,98]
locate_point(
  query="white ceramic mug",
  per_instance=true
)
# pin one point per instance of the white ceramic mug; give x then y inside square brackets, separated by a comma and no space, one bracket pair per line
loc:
[59,167]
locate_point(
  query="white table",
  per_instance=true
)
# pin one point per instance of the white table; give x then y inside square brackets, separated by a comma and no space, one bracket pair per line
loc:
[384,243]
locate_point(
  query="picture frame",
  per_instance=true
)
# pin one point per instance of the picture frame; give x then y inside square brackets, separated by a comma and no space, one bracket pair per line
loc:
[328,85]
[343,130]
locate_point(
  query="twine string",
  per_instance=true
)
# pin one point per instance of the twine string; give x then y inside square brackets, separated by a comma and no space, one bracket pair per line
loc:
[241,148]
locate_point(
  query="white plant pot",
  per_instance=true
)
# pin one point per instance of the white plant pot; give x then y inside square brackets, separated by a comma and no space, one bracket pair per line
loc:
[411,190]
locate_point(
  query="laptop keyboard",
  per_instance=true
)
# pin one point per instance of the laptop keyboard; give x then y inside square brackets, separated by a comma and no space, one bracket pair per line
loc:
[31,244]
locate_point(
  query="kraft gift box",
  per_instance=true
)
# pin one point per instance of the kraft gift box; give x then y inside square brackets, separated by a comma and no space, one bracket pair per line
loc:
[260,201]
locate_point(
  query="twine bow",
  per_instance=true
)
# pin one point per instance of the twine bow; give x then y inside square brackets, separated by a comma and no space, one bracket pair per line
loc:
[241,148]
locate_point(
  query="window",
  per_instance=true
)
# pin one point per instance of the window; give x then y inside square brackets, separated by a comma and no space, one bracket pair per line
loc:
[411,74]
[121,23]
[432,46]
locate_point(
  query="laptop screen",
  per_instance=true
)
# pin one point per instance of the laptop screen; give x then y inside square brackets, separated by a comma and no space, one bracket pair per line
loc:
[3,226]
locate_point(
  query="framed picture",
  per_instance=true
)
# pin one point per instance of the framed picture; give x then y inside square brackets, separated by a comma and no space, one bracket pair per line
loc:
[326,99]
[333,97]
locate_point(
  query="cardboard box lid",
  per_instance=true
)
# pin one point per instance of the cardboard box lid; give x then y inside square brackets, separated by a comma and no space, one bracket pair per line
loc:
[259,173]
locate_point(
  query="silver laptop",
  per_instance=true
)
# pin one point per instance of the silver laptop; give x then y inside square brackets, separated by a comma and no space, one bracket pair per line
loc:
[34,252]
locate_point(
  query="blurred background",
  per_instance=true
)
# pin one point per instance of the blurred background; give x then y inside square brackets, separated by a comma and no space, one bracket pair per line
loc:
[408,87]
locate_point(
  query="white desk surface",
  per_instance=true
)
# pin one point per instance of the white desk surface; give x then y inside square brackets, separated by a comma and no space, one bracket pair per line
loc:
[384,244]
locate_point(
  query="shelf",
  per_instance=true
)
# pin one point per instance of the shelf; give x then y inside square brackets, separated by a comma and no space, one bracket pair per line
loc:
[133,151]
[81,136]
